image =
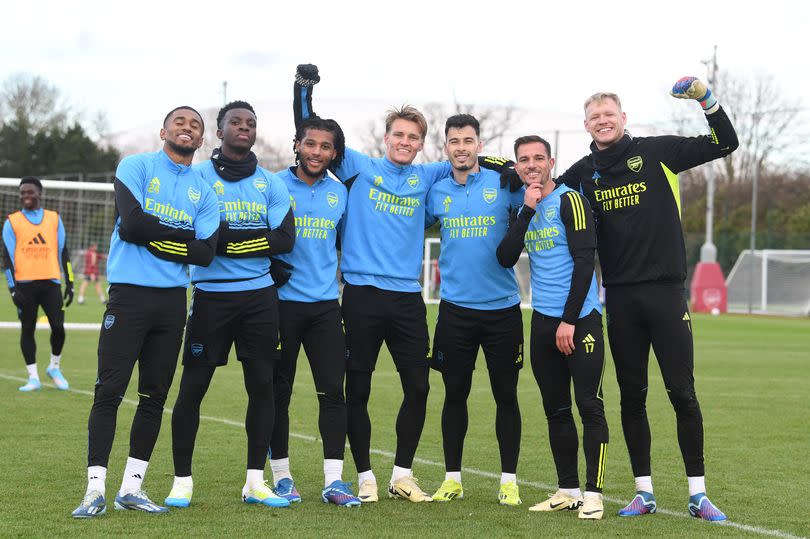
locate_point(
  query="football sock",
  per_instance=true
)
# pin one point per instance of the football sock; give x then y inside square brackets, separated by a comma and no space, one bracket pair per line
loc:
[32,371]
[254,478]
[644,483]
[96,478]
[366,476]
[399,473]
[281,469]
[332,471]
[696,485]
[133,475]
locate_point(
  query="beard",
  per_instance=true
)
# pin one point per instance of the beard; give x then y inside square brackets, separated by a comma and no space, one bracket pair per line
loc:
[310,172]
[185,151]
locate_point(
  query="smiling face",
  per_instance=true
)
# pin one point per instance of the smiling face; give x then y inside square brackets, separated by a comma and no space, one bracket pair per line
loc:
[403,141]
[533,164]
[462,147]
[238,132]
[30,196]
[182,133]
[604,121]
[315,152]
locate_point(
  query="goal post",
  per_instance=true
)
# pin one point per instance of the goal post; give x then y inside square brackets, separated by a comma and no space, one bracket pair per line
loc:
[87,210]
[770,281]
[431,276]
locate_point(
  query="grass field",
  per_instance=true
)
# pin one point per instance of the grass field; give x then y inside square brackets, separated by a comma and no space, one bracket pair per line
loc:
[752,380]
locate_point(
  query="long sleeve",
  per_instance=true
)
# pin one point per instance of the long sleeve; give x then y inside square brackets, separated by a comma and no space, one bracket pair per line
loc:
[252,243]
[580,233]
[198,252]
[9,243]
[64,254]
[302,103]
[508,251]
[139,227]
[683,153]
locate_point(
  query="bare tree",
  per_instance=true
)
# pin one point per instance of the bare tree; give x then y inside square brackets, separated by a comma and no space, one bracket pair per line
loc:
[371,140]
[32,103]
[771,127]
[495,123]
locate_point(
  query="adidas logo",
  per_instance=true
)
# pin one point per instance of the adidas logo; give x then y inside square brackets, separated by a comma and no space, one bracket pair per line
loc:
[686,317]
[38,240]
[588,338]
[137,476]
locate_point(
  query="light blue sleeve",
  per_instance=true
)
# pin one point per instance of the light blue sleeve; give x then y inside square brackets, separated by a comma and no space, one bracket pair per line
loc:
[429,217]
[207,220]
[10,241]
[278,201]
[353,163]
[433,172]
[62,237]
[131,172]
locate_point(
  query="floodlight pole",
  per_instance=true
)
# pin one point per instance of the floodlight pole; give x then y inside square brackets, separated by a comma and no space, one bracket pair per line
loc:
[708,251]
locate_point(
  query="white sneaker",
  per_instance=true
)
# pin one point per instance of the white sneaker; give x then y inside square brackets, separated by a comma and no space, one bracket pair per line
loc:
[180,495]
[592,507]
[264,495]
[368,491]
[559,501]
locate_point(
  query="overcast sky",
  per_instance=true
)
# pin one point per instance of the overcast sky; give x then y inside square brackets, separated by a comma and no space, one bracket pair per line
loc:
[137,60]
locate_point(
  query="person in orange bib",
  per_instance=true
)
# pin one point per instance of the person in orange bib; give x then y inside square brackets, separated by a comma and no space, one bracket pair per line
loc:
[34,248]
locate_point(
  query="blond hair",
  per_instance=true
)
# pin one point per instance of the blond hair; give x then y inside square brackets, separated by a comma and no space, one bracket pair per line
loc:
[599,97]
[409,113]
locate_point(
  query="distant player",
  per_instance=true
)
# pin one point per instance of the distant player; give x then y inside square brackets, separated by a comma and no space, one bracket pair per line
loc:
[234,302]
[167,217]
[35,258]
[90,272]
[632,186]
[473,211]
[555,225]
[309,308]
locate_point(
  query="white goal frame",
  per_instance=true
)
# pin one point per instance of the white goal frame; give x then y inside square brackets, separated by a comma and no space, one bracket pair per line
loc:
[428,272]
[761,304]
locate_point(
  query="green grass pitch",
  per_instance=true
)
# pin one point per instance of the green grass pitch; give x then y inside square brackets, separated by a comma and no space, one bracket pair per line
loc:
[752,380]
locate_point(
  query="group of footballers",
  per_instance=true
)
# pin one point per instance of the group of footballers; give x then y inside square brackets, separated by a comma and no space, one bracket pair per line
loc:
[263,255]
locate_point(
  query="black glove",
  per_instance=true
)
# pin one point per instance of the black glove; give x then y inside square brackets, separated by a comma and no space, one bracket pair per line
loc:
[68,294]
[507,169]
[307,75]
[280,272]
[17,296]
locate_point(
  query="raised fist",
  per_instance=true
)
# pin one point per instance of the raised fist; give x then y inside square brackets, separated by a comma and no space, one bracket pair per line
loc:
[307,75]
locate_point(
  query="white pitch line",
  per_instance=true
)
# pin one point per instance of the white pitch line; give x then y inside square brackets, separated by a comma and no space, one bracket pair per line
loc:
[81,326]
[473,471]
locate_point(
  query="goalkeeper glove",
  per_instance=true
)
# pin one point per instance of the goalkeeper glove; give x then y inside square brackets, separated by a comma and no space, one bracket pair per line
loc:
[68,294]
[693,88]
[307,75]
[17,296]
[280,272]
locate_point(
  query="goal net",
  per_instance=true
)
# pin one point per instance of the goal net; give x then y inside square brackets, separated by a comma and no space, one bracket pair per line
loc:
[87,210]
[431,277]
[770,281]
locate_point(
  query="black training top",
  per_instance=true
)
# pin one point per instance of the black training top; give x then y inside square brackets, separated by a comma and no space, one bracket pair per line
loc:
[633,189]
